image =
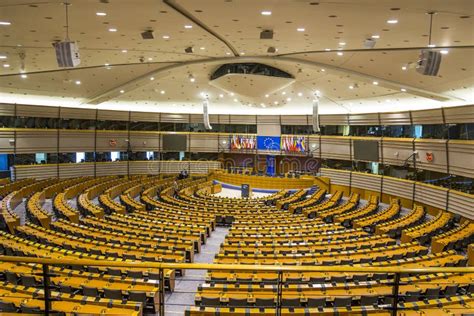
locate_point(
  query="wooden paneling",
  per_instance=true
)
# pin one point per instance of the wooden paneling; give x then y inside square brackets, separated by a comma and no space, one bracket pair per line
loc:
[74,113]
[334,119]
[174,118]
[433,116]
[335,147]
[144,141]
[108,115]
[459,114]
[72,170]
[36,141]
[105,137]
[436,147]
[397,150]
[111,168]
[144,117]
[265,119]
[461,157]
[7,141]
[76,141]
[7,109]
[364,119]
[461,203]
[431,195]
[204,142]
[396,118]
[37,111]
[295,120]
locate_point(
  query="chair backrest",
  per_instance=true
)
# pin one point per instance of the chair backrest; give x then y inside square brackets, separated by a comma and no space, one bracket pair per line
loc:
[432,293]
[65,288]
[368,300]
[412,296]
[7,307]
[28,280]
[210,301]
[137,296]
[115,272]
[29,309]
[233,302]
[11,277]
[264,302]
[90,291]
[93,270]
[113,294]
[316,302]
[342,301]
[451,290]
[291,302]
[135,274]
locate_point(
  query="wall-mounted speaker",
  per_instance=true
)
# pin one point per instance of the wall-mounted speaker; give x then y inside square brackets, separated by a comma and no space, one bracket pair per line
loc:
[67,54]
[316,116]
[429,62]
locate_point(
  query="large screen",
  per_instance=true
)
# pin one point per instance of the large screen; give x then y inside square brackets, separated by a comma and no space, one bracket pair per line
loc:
[174,142]
[268,143]
[367,150]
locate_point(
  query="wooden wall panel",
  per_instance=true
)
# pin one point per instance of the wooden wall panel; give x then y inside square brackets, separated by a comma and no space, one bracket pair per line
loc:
[7,141]
[75,113]
[459,114]
[144,141]
[7,109]
[461,203]
[334,119]
[461,157]
[111,168]
[109,115]
[72,170]
[204,142]
[431,195]
[144,117]
[395,118]
[104,138]
[76,141]
[335,147]
[295,120]
[37,111]
[36,141]
[397,150]
[436,147]
[174,118]
[364,119]
[433,116]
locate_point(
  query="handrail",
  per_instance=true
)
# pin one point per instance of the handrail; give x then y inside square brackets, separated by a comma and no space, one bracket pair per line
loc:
[242,267]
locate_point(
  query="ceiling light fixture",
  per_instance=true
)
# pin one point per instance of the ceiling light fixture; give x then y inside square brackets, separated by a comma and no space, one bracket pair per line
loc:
[6,65]
[242,53]
[235,100]
[444,51]
[78,82]
[392,21]
[202,48]
[276,102]
[301,29]
[403,90]
[150,58]
[431,45]
[112,29]
[221,95]
[232,94]
[288,99]
[24,76]
[124,51]
[404,67]
[100,13]
[188,27]
[3,57]
[152,78]
[342,43]
[266,95]
[122,91]
[5,23]
[166,36]
[300,94]
[375,83]
[266,13]
[283,93]
[327,49]
[323,70]
[340,53]
[376,36]
[162,92]
[351,87]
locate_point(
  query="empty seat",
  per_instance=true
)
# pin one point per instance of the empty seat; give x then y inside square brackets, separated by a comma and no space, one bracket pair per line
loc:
[318,302]
[432,293]
[317,280]
[30,309]
[450,290]
[90,291]
[93,269]
[379,276]
[97,252]
[115,272]
[264,302]
[237,302]
[65,289]
[368,300]
[135,296]
[359,277]
[11,277]
[412,296]
[7,307]
[129,256]
[28,280]
[113,294]
[135,274]
[210,301]
[291,302]
[342,301]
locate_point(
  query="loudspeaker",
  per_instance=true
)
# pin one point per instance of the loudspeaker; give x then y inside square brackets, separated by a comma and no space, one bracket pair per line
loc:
[266,34]
[67,54]
[369,43]
[316,116]
[205,113]
[271,50]
[429,62]
[148,35]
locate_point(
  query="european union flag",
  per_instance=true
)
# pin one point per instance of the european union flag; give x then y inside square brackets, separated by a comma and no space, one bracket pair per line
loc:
[268,142]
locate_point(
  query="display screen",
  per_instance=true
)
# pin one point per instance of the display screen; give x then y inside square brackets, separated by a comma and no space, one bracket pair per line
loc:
[366,150]
[173,142]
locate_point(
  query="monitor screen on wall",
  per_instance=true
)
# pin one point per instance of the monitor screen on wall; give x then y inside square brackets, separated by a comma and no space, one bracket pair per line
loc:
[174,142]
[367,150]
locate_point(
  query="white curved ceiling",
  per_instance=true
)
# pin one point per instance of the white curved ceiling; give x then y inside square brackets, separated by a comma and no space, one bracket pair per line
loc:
[111,60]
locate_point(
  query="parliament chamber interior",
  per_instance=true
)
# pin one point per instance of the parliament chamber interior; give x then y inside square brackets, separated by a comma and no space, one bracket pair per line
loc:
[237,157]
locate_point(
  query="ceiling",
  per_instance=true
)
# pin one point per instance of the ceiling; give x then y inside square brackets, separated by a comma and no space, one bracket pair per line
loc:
[319,42]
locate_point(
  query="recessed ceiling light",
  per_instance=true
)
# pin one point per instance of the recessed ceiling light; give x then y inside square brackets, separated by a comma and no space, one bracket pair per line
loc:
[150,58]
[227,53]
[6,65]
[3,57]
[152,78]
[221,95]
[301,29]
[232,94]
[242,53]
[327,49]
[202,48]
[444,51]
[124,50]
[188,26]
[78,82]
[392,21]
[112,29]
[388,100]
[264,106]
[300,94]
[276,102]
[283,93]
[5,23]
[288,99]
[24,76]
[403,90]
[162,92]
[100,13]
[266,95]
[375,83]
[351,87]
[340,53]
[266,13]
[323,70]
[122,91]
[342,43]
[235,100]
[166,36]
[375,36]
[404,67]
[432,45]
